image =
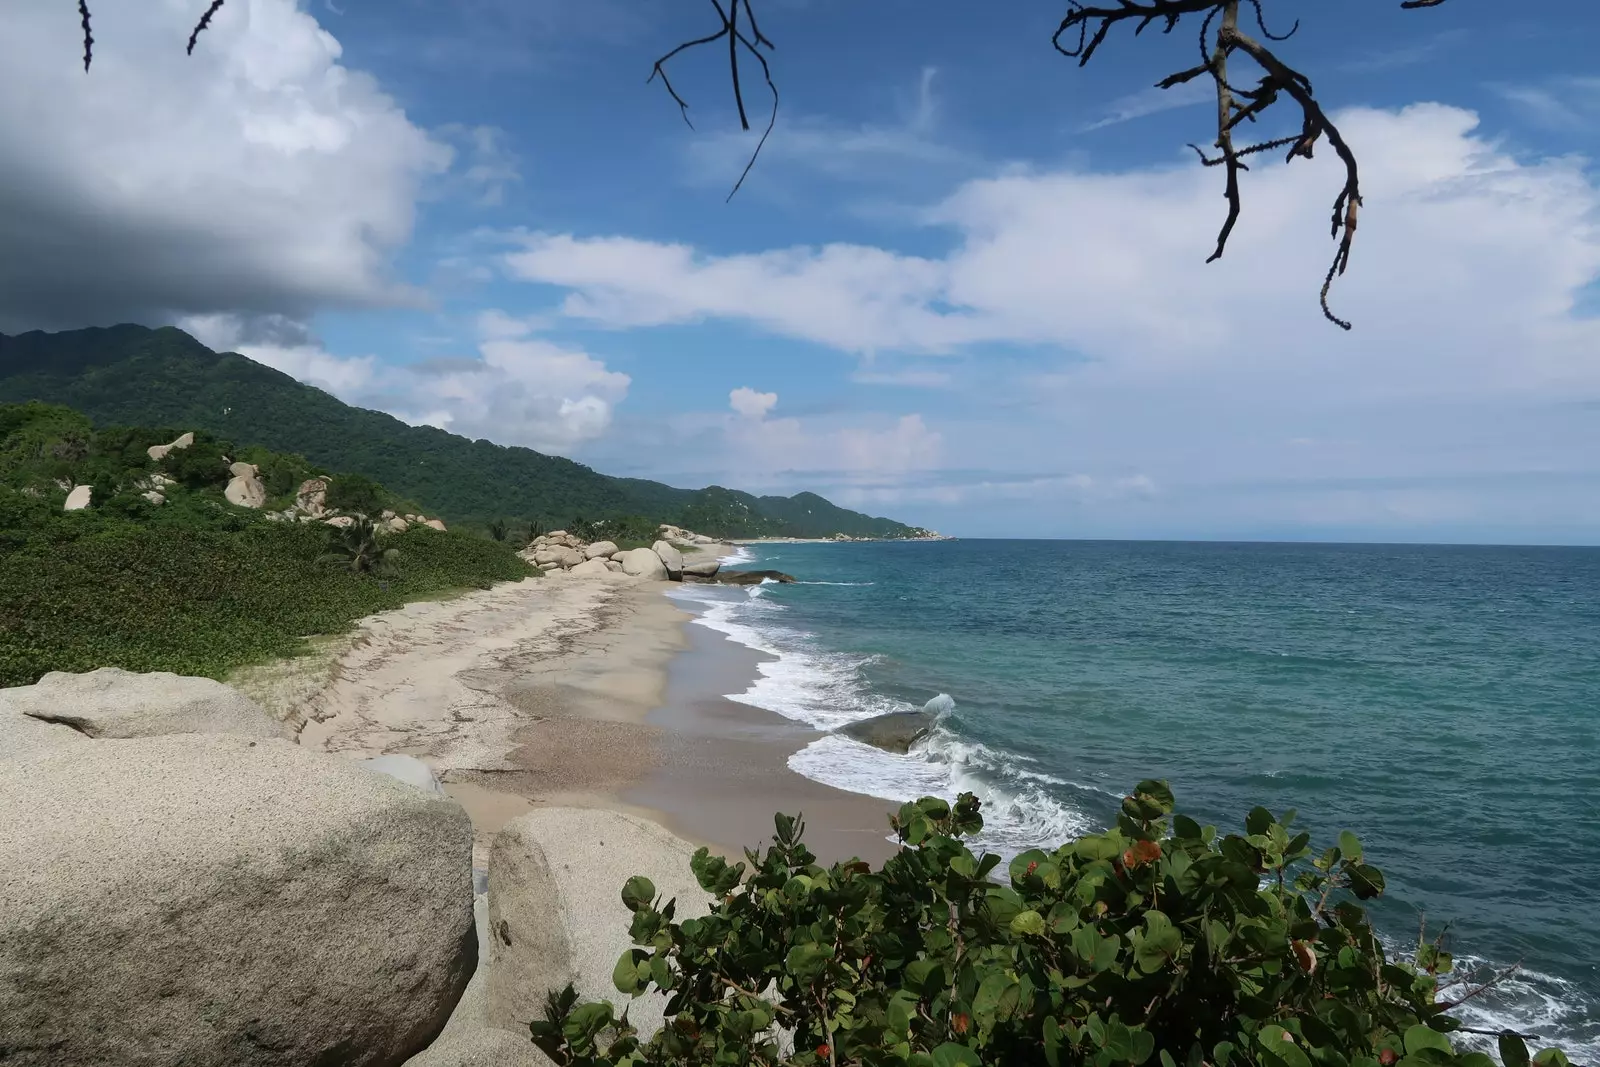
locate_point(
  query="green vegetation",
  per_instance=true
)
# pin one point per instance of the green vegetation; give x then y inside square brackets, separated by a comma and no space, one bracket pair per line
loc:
[131,374]
[193,585]
[1154,942]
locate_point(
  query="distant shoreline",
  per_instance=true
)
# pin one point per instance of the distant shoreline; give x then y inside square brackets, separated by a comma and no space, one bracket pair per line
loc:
[845,540]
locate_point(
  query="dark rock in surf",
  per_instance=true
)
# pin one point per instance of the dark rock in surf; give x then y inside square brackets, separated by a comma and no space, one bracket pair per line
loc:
[894,732]
[752,577]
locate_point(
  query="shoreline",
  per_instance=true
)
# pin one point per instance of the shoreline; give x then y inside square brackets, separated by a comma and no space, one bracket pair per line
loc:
[571,692]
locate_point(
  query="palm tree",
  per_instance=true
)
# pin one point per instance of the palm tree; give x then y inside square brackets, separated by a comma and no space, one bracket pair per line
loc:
[357,548]
[497,529]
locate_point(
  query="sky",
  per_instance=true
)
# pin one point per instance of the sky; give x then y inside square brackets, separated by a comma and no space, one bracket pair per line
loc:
[963,286]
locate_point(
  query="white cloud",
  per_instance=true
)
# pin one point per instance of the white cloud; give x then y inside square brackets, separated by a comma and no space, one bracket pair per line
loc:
[1153,101]
[751,404]
[518,390]
[1468,262]
[258,175]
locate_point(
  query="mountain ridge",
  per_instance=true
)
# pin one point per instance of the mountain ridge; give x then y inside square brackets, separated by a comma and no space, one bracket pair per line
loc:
[138,375]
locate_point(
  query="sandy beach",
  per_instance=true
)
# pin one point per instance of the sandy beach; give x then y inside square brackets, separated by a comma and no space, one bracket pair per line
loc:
[570,692]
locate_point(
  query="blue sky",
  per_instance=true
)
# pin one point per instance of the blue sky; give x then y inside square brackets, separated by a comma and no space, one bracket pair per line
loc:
[963,286]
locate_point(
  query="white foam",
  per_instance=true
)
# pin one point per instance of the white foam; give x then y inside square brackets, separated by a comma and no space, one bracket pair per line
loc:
[825,689]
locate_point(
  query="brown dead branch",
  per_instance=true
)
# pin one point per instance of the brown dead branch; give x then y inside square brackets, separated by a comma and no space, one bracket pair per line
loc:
[1236,105]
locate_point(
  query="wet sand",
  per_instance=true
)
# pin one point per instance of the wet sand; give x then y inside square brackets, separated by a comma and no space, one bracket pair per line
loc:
[575,692]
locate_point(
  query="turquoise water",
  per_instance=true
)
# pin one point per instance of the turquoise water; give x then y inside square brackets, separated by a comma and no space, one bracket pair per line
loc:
[1442,702]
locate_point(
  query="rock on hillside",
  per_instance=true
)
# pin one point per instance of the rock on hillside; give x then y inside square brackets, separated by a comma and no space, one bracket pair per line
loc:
[79,498]
[111,702]
[211,899]
[245,488]
[159,452]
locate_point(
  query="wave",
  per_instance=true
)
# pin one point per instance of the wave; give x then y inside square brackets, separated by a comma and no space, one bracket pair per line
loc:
[825,690]
[1023,807]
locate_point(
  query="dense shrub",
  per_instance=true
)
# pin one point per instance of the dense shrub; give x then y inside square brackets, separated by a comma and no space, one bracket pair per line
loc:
[1155,942]
[200,466]
[195,586]
[356,494]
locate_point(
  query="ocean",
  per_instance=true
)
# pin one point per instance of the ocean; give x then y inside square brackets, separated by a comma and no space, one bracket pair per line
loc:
[1441,702]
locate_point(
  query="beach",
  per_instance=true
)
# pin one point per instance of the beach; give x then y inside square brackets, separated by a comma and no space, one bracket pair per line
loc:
[571,692]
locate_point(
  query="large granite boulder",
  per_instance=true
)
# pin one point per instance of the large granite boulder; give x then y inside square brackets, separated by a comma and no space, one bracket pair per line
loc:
[560,555]
[206,899]
[643,563]
[469,1039]
[112,702]
[79,498]
[591,568]
[601,549]
[706,568]
[312,497]
[244,487]
[556,913]
[671,558]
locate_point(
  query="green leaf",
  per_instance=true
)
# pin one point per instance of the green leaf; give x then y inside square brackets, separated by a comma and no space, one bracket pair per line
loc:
[1551,1057]
[1366,882]
[1421,1037]
[638,893]
[953,1055]
[1259,821]
[626,975]
[1513,1050]
[1029,923]
[1350,846]
[806,961]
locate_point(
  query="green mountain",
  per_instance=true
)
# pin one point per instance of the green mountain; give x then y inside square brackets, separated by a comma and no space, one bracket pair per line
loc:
[133,375]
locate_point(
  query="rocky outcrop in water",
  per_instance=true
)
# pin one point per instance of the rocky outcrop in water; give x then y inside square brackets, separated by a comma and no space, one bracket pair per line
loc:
[894,732]
[752,577]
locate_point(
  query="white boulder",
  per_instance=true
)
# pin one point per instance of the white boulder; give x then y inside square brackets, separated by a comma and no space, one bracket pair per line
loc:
[606,549]
[643,563]
[78,499]
[154,497]
[312,497]
[702,569]
[671,558]
[112,702]
[221,900]
[434,524]
[556,913]
[159,452]
[244,488]
[591,568]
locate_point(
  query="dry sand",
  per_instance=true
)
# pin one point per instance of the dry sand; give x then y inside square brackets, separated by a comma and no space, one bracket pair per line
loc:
[555,692]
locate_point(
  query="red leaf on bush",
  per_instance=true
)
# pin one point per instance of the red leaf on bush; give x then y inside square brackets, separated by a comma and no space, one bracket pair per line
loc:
[1141,852]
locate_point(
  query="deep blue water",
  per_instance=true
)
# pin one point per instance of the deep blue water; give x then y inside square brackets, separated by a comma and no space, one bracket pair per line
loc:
[1441,702]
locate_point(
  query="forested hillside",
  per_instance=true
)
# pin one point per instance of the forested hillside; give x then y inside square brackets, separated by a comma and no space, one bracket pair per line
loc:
[133,375]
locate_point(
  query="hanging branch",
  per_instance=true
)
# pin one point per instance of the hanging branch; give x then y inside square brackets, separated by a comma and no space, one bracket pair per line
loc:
[88,39]
[1236,105]
[737,39]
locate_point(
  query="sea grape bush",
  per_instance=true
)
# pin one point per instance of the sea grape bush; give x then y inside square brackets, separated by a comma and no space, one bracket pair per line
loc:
[1158,941]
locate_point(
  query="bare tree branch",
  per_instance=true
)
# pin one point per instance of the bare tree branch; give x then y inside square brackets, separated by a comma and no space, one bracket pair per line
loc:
[1236,105]
[1092,24]
[205,20]
[737,39]
[88,38]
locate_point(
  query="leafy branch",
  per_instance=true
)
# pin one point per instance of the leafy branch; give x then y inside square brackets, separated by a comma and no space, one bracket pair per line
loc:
[1157,941]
